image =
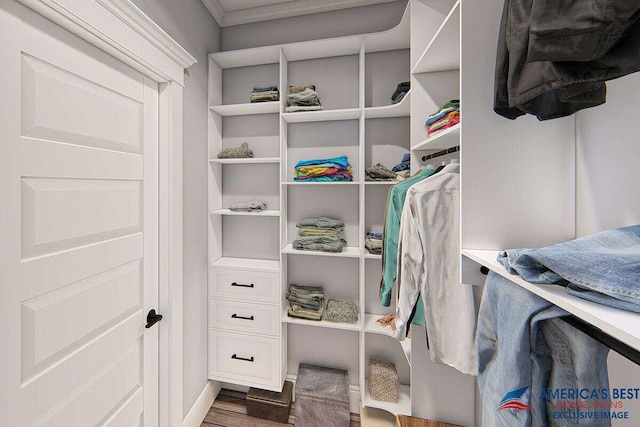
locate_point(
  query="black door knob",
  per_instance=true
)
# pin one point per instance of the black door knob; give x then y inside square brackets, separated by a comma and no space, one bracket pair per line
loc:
[152,318]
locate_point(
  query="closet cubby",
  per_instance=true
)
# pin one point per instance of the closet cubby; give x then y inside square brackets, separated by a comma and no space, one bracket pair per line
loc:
[322,140]
[335,78]
[383,71]
[252,236]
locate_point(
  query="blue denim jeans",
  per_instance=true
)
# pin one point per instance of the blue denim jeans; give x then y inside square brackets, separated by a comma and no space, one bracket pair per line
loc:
[524,350]
[603,268]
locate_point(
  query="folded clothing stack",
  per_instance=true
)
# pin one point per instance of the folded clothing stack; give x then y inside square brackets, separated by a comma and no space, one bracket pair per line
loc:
[305,302]
[320,234]
[447,116]
[373,242]
[265,94]
[303,98]
[379,172]
[401,90]
[241,152]
[330,169]
[341,311]
[251,206]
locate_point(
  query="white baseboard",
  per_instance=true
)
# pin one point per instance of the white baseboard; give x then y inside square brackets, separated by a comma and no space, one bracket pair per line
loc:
[200,408]
[354,395]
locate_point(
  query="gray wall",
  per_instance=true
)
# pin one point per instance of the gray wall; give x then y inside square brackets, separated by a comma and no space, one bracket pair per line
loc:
[339,23]
[191,25]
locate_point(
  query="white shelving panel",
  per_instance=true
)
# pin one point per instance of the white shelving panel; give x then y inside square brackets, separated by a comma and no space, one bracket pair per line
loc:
[620,324]
[438,56]
[402,407]
[322,115]
[381,182]
[266,212]
[246,264]
[347,252]
[371,326]
[401,109]
[444,139]
[247,57]
[270,107]
[323,323]
[372,256]
[248,161]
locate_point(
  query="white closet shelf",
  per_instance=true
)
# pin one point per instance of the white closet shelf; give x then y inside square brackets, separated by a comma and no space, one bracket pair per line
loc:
[247,161]
[322,183]
[372,327]
[620,324]
[324,48]
[372,256]
[272,107]
[247,57]
[381,182]
[401,109]
[247,263]
[322,116]
[323,323]
[375,417]
[444,139]
[402,407]
[439,56]
[267,212]
[347,252]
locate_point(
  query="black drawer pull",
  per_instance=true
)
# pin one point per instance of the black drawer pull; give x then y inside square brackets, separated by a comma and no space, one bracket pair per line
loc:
[235,356]
[242,285]
[235,316]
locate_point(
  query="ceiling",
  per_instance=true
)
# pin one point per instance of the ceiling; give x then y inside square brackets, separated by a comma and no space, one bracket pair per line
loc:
[236,12]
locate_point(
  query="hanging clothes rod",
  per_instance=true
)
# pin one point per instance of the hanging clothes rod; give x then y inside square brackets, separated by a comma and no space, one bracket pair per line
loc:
[596,333]
[441,153]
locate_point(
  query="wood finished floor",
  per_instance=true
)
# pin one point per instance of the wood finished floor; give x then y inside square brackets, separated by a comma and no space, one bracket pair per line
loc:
[230,410]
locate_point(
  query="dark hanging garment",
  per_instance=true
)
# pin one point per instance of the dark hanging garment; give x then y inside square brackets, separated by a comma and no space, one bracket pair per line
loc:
[540,65]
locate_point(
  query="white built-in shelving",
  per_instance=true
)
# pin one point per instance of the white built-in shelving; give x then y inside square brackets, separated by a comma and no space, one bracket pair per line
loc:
[246,161]
[270,107]
[439,54]
[355,77]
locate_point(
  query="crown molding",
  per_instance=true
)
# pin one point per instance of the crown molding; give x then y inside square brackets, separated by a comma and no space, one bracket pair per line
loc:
[281,10]
[131,15]
[215,9]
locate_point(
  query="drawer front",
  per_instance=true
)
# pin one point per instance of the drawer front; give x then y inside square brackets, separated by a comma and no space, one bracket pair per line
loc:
[244,317]
[242,284]
[245,360]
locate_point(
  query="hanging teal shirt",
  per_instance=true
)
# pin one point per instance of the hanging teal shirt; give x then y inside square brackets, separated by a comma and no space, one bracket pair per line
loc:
[391,239]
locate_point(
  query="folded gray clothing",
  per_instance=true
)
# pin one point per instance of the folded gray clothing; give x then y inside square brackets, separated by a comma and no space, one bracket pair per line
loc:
[300,312]
[307,97]
[258,89]
[322,222]
[341,311]
[241,152]
[319,232]
[325,244]
[252,206]
[373,245]
[296,89]
[311,297]
[313,292]
[379,172]
[294,108]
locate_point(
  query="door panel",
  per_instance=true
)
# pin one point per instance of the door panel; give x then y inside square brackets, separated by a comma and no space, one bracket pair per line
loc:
[79,224]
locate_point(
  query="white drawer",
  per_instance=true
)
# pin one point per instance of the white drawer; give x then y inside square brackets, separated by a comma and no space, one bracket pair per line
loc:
[244,317]
[245,360]
[244,284]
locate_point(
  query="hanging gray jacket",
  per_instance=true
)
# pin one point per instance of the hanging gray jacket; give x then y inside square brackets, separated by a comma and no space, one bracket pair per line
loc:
[555,55]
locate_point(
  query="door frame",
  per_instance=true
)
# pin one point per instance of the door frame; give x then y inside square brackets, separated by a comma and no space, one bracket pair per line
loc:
[122,30]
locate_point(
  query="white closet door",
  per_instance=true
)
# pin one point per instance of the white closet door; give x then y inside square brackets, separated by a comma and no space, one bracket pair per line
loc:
[78,231]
